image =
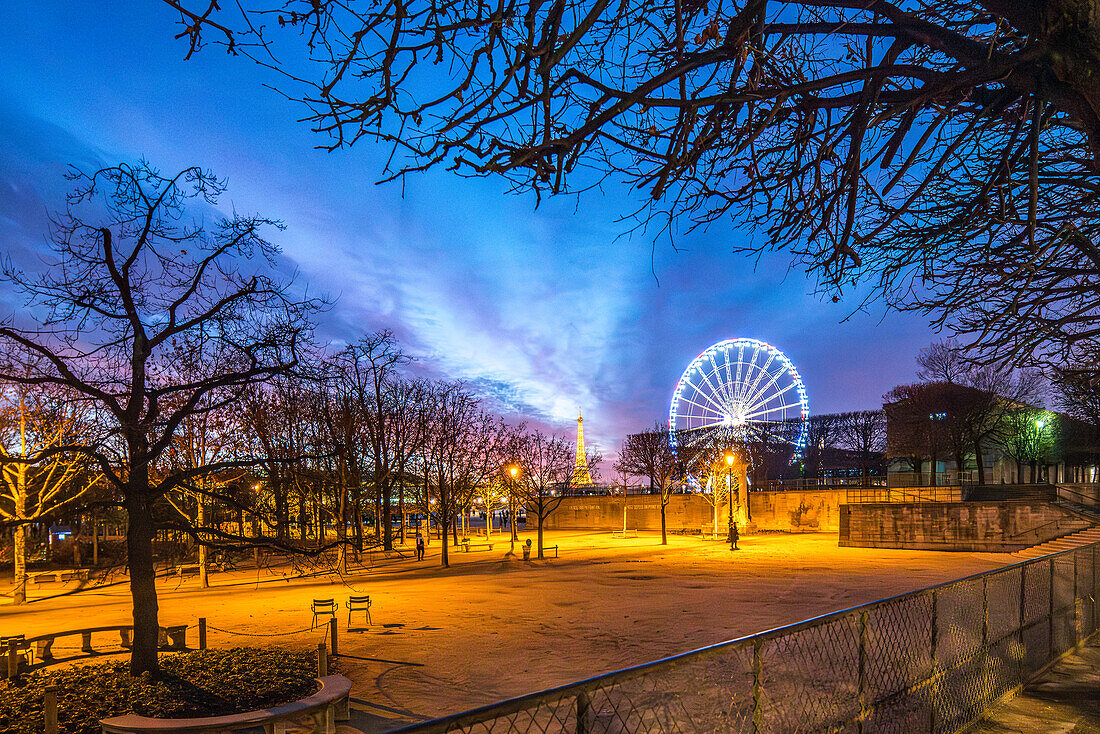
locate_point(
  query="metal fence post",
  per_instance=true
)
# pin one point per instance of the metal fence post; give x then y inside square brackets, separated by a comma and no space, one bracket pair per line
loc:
[332,636]
[985,612]
[864,713]
[583,704]
[935,688]
[757,687]
[13,662]
[202,633]
[1078,607]
[1050,612]
[322,660]
[49,709]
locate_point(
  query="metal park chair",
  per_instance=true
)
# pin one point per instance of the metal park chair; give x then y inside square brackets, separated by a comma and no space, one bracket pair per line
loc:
[358,604]
[320,607]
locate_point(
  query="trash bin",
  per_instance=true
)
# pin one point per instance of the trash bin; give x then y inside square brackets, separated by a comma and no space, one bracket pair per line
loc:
[527,550]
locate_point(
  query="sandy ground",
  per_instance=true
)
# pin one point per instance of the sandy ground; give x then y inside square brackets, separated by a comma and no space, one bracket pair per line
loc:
[491,627]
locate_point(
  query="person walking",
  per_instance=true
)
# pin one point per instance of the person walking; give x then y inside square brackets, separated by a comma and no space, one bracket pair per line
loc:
[419,546]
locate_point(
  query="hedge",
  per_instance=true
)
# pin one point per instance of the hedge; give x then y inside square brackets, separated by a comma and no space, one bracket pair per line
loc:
[198,683]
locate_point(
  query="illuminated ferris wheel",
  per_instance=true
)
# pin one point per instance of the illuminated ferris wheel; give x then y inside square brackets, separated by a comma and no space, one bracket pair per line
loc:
[741,390]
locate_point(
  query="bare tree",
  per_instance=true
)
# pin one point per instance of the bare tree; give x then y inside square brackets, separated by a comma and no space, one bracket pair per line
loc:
[37,476]
[978,408]
[126,279]
[913,415]
[823,432]
[946,152]
[863,432]
[649,454]
[546,464]
[210,435]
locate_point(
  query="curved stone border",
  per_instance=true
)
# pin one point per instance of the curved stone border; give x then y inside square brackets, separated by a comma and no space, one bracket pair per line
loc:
[321,710]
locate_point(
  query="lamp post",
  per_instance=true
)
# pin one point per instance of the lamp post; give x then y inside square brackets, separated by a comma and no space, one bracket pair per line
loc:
[1039,424]
[729,493]
[514,471]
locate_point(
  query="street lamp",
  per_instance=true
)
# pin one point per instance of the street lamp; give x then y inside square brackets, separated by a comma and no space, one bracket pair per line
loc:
[514,471]
[729,492]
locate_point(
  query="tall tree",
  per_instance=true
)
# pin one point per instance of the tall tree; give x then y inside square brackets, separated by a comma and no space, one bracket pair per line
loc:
[546,463]
[649,454]
[978,412]
[135,267]
[863,432]
[38,476]
[823,432]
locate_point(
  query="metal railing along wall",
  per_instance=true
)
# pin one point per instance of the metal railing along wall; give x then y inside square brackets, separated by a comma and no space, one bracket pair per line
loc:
[926,661]
[875,495]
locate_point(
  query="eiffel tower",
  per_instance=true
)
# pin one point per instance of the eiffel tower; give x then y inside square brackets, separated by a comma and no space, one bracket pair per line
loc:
[581,477]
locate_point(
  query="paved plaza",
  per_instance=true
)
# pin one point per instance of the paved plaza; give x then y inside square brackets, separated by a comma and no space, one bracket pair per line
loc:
[491,626]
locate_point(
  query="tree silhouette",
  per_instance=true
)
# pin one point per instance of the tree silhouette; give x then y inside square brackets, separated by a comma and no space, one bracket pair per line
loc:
[130,273]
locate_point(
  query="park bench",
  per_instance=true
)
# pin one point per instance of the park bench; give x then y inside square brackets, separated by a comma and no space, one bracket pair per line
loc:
[624,533]
[320,712]
[80,574]
[184,571]
[467,546]
[45,578]
[173,637]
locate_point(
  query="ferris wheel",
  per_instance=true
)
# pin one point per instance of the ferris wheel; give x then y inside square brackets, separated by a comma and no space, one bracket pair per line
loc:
[742,390]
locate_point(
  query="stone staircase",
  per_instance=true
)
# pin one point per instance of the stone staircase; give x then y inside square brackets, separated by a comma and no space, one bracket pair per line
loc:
[1066,542]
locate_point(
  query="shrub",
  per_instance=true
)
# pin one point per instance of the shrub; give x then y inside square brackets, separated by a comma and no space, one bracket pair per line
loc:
[199,683]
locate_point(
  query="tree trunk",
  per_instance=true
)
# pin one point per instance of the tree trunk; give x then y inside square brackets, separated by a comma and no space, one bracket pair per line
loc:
[342,530]
[716,516]
[139,556]
[664,529]
[19,593]
[387,518]
[200,520]
[980,462]
[542,518]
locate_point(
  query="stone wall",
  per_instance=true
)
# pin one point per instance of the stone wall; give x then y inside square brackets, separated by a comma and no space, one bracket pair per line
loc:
[962,526]
[791,511]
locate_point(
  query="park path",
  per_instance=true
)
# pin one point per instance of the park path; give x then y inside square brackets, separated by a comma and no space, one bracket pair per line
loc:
[492,627]
[1064,700]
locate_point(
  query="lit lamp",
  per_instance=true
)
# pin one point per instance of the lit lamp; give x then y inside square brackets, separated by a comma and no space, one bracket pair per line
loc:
[729,491]
[514,471]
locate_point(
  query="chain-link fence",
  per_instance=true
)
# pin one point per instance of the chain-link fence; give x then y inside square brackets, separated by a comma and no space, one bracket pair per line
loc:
[927,661]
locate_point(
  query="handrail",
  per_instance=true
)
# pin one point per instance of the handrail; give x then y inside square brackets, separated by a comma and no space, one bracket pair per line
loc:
[1036,529]
[1092,501]
[454,722]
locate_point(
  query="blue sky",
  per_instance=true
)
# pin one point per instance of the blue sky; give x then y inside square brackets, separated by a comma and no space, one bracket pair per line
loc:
[546,310]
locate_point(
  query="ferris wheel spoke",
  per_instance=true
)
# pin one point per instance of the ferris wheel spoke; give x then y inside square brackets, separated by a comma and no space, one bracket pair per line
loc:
[732,386]
[700,406]
[713,390]
[748,375]
[715,424]
[723,388]
[756,401]
[761,401]
[772,410]
[709,397]
[740,363]
[751,391]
